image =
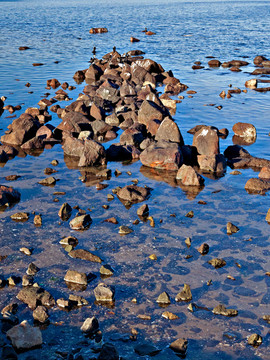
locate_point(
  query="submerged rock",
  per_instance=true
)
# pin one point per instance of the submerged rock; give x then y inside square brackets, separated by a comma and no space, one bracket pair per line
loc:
[108,352]
[84,255]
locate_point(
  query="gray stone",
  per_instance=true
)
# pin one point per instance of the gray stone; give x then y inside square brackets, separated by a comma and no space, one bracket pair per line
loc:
[24,336]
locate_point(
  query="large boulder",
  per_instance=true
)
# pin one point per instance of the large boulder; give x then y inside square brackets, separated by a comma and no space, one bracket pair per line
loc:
[162,155]
[150,111]
[206,141]
[169,131]
[21,130]
[24,336]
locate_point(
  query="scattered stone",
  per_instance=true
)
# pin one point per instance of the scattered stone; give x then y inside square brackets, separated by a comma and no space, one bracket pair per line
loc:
[124,230]
[203,249]
[13,280]
[257,186]
[27,280]
[110,197]
[20,216]
[153,257]
[65,212]
[11,308]
[144,317]
[232,229]
[54,162]
[235,172]
[206,141]
[32,269]
[264,173]
[81,222]
[104,293]
[188,241]
[98,30]
[267,218]
[49,171]
[190,214]
[106,270]
[37,220]
[90,326]
[152,221]
[266,318]
[170,316]
[133,193]
[69,241]
[76,277]
[255,340]
[111,220]
[40,314]
[77,300]
[24,336]
[164,298]
[179,346]
[245,130]
[221,310]
[50,181]
[217,263]
[26,251]
[84,255]
[143,211]
[185,294]
[12,177]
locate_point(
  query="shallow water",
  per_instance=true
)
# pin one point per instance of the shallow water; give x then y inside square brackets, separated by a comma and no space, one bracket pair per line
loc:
[185,32]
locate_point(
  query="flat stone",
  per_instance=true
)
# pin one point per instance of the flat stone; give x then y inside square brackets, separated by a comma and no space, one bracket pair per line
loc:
[84,255]
[50,181]
[221,310]
[124,230]
[170,316]
[20,216]
[76,277]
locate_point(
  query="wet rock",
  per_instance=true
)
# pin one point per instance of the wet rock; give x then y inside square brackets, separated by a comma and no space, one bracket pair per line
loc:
[34,296]
[259,186]
[203,249]
[21,130]
[144,317]
[188,241]
[108,90]
[81,222]
[162,155]
[108,352]
[252,83]
[264,173]
[143,210]
[104,293]
[164,298]
[32,269]
[20,216]
[169,131]
[185,294]
[106,270]
[245,130]
[231,228]
[65,211]
[133,193]
[190,214]
[69,241]
[206,141]
[267,218]
[217,263]
[76,277]
[8,196]
[24,336]
[221,310]
[212,163]
[50,181]
[77,300]
[90,326]
[153,257]
[38,220]
[124,230]
[98,30]
[188,176]
[40,314]
[179,346]
[214,63]
[84,255]
[111,220]
[255,340]
[170,316]
[146,349]
[27,280]
[93,154]
[150,111]
[266,318]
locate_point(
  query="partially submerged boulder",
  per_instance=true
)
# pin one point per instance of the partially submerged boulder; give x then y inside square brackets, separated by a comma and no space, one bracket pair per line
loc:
[8,196]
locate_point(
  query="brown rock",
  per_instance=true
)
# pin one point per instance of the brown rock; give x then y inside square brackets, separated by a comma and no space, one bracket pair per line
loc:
[143,210]
[203,249]
[206,141]
[40,314]
[162,155]
[179,346]
[221,310]
[98,30]
[244,130]
[76,277]
[93,154]
[81,222]
[65,211]
[217,263]
[188,176]
[265,173]
[255,340]
[104,293]
[231,228]
[84,255]
[150,111]
[33,296]
[90,325]
[8,195]
[267,218]
[258,186]
[212,163]
[133,193]
[169,131]
[24,336]
[185,294]
[259,59]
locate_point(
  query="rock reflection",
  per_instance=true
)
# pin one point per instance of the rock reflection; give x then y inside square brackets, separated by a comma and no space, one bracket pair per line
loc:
[168,177]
